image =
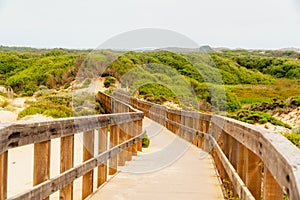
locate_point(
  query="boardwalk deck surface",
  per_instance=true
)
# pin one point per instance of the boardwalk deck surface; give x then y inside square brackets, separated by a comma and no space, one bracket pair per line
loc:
[170,168]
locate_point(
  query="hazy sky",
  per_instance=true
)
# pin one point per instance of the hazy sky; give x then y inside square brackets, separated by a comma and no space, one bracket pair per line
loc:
[264,24]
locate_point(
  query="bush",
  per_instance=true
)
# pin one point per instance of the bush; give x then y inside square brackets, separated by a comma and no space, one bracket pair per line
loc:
[253,117]
[294,138]
[86,83]
[4,103]
[48,108]
[109,81]
[145,140]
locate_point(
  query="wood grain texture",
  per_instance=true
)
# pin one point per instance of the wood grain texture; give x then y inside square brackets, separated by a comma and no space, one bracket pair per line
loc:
[48,187]
[272,190]
[41,165]
[88,153]
[102,147]
[3,175]
[66,163]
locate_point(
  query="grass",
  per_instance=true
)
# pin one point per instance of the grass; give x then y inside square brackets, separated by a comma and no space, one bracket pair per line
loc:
[282,89]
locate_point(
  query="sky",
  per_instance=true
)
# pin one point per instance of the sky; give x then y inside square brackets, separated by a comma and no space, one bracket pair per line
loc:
[251,24]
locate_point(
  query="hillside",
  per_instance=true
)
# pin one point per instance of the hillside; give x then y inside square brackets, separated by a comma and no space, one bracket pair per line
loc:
[159,76]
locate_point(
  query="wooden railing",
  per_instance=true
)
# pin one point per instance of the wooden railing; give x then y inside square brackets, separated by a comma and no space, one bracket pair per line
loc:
[123,131]
[260,164]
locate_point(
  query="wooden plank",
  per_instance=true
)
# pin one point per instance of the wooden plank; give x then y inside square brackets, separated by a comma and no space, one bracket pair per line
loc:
[114,140]
[102,147]
[3,175]
[47,188]
[88,153]
[24,133]
[139,128]
[122,138]
[241,161]
[134,133]
[66,162]
[128,133]
[272,191]
[238,185]
[253,174]
[41,163]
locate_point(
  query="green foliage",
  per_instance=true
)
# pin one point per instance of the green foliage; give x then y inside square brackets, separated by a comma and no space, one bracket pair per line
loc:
[145,140]
[279,64]
[3,102]
[253,117]
[25,71]
[295,101]
[156,93]
[294,138]
[86,83]
[47,108]
[109,81]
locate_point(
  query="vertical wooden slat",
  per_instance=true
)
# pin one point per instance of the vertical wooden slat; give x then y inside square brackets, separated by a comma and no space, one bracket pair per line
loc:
[66,162]
[140,129]
[102,146]
[272,190]
[241,162]
[253,174]
[122,138]
[3,175]
[114,137]
[41,171]
[128,134]
[134,133]
[88,152]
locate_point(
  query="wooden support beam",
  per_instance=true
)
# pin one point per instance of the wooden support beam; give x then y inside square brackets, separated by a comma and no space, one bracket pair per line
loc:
[3,175]
[88,153]
[272,191]
[114,140]
[66,162]
[102,147]
[41,170]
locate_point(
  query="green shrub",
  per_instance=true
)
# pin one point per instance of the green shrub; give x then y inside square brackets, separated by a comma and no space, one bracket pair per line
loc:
[48,108]
[294,138]
[145,140]
[109,81]
[86,83]
[253,117]
[4,103]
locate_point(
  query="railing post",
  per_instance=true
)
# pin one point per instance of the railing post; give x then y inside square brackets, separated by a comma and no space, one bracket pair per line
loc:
[3,175]
[122,138]
[139,128]
[102,147]
[66,162]
[128,133]
[272,191]
[41,171]
[134,129]
[88,153]
[114,140]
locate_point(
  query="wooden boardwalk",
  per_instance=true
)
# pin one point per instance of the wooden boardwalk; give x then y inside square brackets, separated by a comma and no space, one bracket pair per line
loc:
[171,168]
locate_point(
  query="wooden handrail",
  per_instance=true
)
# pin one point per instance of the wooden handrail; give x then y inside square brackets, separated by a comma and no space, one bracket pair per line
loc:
[258,162]
[41,133]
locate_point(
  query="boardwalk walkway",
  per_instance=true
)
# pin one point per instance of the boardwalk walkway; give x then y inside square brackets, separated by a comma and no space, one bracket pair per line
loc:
[170,168]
